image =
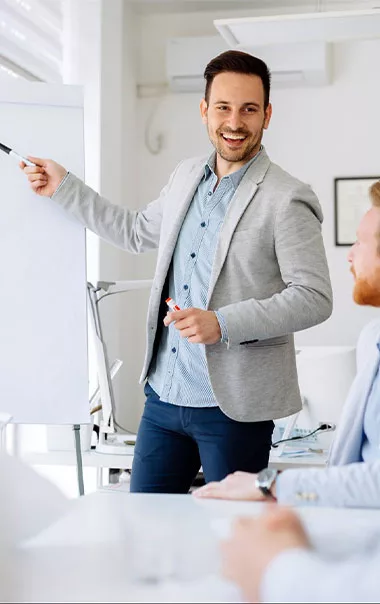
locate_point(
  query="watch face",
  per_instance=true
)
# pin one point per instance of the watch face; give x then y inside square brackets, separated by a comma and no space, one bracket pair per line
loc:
[266,477]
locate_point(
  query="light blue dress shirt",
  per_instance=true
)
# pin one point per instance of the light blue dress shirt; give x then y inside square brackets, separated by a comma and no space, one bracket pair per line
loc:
[371,424]
[179,374]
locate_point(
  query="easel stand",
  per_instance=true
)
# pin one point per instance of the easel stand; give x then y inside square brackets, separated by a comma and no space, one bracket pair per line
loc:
[78,454]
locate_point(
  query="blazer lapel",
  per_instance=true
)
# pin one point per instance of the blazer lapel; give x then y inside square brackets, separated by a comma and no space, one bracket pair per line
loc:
[242,198]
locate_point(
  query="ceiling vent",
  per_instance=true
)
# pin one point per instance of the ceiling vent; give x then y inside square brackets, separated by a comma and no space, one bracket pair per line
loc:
[336,26]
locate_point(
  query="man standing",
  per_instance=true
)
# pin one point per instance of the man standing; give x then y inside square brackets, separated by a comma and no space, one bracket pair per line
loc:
[240,251]
[348,482]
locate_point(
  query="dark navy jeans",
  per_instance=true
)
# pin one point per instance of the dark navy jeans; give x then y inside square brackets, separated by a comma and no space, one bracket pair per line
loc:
[173,442]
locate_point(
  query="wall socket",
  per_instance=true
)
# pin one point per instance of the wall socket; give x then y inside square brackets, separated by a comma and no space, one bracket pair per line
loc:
[330,429]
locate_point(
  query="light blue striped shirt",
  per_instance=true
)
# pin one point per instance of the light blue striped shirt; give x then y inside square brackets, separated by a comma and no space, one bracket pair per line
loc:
[179,374]
[371,424]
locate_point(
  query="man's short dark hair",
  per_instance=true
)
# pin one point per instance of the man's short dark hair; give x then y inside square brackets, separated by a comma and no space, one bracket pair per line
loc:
[238,62]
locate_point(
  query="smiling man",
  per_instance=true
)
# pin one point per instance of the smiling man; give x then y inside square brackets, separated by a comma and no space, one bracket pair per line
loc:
[240,252]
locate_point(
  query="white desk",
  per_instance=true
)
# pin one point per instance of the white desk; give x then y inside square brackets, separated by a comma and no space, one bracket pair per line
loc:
[91,553]
[124,462]
[89,459]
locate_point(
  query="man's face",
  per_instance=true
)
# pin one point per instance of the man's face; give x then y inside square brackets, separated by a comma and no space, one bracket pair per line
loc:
[364,259]
[235,115]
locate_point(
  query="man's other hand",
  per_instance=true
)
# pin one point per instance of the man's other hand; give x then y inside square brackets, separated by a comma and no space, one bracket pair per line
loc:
[198,326]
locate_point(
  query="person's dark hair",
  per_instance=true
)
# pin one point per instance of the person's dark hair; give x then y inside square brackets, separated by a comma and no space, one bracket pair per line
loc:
[238,62]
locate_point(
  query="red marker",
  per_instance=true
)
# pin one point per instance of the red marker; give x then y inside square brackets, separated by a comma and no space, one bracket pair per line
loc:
[172,305]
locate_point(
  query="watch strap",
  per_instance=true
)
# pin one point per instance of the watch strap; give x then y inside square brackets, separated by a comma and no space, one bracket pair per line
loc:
[265,484]
[268,493]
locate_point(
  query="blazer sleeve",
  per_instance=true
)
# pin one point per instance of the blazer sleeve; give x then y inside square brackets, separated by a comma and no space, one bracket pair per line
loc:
[306,299]
[300,575]
[353,485]
[134,231]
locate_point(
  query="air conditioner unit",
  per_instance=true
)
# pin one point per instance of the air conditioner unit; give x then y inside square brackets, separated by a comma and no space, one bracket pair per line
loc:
[290,64]
[186,59]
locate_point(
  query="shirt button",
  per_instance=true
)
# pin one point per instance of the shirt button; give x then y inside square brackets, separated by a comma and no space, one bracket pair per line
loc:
[192,255]
[185,287]
[203,224]
[209,193]
[174,350]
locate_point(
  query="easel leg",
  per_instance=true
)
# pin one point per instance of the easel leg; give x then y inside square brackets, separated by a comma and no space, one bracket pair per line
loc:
[78,453]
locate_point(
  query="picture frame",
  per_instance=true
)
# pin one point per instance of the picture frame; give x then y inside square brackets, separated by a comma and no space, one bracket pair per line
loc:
[351,201]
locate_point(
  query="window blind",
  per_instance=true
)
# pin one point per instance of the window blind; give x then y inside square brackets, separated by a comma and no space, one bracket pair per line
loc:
[31,39]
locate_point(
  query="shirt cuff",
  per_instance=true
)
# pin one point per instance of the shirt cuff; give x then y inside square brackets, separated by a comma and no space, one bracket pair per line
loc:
[223,326]
[61,184]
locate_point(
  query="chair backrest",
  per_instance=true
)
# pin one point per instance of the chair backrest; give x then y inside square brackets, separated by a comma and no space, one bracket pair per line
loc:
[325,375]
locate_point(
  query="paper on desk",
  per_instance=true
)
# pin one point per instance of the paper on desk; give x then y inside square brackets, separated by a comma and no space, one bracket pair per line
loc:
[28,502]
[297,453]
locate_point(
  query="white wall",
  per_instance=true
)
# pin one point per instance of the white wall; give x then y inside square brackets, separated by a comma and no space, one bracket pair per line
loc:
[94,40]
[316,134]
[326,133]
[133,305]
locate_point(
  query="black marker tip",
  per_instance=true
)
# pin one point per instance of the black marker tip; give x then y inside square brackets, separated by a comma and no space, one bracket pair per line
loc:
[4,148]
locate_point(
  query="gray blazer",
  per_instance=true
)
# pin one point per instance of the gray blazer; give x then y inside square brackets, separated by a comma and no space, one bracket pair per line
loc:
[269,278]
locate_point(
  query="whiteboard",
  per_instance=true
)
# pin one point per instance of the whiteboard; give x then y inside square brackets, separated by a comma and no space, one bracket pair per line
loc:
[43,316]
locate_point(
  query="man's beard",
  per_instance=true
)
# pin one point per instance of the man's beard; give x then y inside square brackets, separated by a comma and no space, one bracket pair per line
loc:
[366,293]
[237,155]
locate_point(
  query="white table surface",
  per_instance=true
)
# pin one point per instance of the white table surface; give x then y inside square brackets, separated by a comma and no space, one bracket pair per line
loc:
[124,462]
[114,546]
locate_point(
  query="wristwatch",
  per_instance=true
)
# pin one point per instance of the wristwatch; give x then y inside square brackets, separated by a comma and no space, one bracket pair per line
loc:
[264,481]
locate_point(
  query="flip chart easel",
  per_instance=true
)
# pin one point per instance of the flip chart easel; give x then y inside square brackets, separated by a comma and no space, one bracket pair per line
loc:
[43,316]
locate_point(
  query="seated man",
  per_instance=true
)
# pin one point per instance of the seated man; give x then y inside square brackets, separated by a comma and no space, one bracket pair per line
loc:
[358,434]
[271,559]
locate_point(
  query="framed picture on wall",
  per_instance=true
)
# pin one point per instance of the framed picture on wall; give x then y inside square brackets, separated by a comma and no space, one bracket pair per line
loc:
[351,201]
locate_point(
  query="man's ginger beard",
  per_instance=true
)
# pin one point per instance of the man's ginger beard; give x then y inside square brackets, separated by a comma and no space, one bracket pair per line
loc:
[367,293]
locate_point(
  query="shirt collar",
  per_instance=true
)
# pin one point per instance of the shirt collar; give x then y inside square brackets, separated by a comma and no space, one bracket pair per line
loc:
[235,177]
